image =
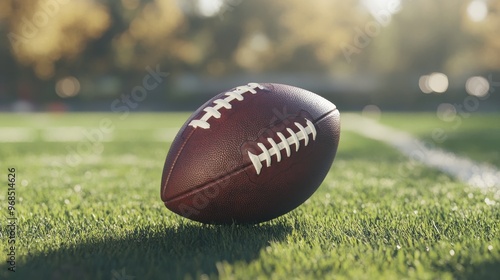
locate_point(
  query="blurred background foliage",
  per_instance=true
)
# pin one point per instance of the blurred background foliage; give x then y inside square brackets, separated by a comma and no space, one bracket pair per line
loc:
[82,54]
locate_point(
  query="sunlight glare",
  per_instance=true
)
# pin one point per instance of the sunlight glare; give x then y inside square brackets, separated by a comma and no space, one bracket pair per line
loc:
[210,8]
[379,7]
[477,10]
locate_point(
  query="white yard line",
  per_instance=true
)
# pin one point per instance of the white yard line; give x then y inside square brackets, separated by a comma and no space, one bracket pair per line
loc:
[471,172]
[78,134]
[69,134]
[17,134]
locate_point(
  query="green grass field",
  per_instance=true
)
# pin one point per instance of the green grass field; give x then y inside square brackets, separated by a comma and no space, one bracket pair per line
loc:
[92,211]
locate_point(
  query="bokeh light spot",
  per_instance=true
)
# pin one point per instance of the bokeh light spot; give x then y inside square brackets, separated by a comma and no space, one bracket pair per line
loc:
[477,86]
[423,84]
[438,82]
[477,10]
[67,87]
[209,8]
[446,112]
[371,111]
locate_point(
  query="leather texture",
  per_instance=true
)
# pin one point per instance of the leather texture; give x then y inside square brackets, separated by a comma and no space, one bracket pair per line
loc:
[209,176]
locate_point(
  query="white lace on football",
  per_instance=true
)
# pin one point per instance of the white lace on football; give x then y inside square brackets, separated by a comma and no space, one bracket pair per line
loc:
[294,139]
[213,111]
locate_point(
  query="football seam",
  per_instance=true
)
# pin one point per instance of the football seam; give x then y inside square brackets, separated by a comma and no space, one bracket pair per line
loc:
[276,148]
[213,111]
[231,173]
[174,162]
[251,87]
[208,184]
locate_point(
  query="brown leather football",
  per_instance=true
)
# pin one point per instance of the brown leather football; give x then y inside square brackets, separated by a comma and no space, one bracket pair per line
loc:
[250,154]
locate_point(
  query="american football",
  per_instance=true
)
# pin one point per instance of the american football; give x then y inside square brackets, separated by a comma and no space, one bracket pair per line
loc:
[250,154]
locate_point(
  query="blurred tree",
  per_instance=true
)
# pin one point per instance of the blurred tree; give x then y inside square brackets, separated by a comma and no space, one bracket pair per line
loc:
[151,35]
[425,36]
[260,35]
[46,39]
[482,20]
[44,32]
[315,32]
